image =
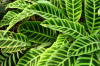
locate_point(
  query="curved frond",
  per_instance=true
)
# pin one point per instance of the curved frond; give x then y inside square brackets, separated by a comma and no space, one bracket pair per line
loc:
[20,4]
[56,55]
[13,40]
[85,45]
[74,9]
[43,9]
[91,14]
[87,60]
[47,11]
[8,17]
[58,3]
[66,27]
[36,33]
[31,57]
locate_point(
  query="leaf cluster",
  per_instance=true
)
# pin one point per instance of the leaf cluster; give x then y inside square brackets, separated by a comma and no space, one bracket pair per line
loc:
[68,33]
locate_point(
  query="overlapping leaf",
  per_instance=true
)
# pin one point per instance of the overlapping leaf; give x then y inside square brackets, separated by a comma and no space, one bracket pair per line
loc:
[8,17]
[12,40]
[85,45]
[66,27]
[62,52]
[74,9]
[58,3]
[31,57]
[43,9]
[91,14]
[87,60]
[47,10]
[56,55]
[36,33]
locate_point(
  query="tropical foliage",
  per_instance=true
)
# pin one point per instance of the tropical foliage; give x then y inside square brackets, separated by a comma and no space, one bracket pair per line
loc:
[50,33]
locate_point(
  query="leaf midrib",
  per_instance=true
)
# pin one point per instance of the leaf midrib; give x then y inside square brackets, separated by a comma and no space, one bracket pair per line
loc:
[56,52]
[86,46]
[67,28]
[13,41]
[38,33]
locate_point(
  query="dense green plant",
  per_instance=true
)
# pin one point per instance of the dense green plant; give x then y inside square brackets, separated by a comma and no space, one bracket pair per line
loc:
[62,38]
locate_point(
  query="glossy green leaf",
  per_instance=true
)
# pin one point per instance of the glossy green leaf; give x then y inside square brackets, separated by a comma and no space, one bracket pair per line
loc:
[91,14]
[74,9]
[66,27]
[31,57]
[36,33]
[85,45]
[56,55]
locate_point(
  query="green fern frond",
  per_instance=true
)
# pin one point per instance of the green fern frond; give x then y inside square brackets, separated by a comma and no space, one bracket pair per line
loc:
[85,45]
[74,9]
[47,11]
[66,27]
[58,3]
[36,33]
[87,60]
[24,14]
[8,17]
[31,57]
[13,40]
[91,14]
[20,4]
[56,55]
[76,45]
[43,9]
